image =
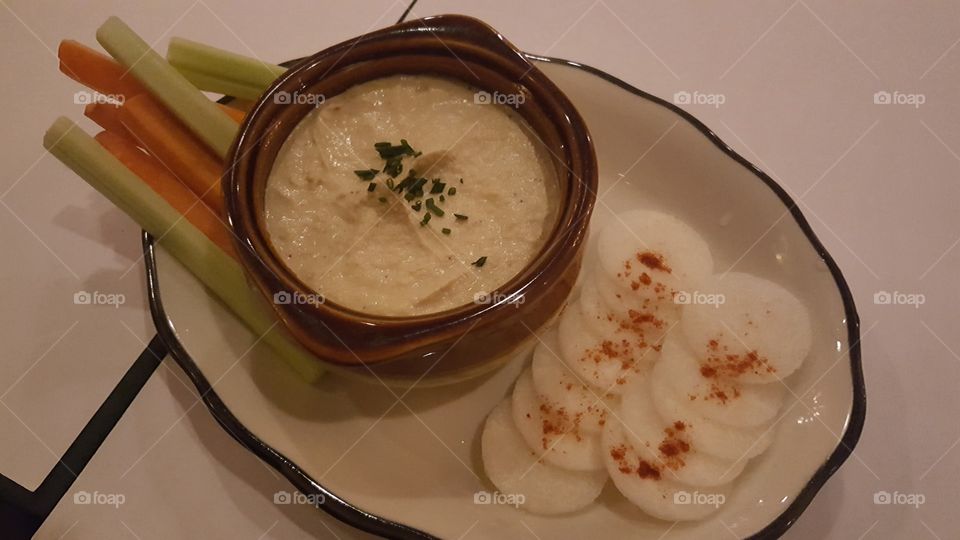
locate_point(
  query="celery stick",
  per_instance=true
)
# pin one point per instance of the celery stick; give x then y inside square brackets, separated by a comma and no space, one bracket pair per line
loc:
[224,72]
[215,269]
[201,115]
[210,83]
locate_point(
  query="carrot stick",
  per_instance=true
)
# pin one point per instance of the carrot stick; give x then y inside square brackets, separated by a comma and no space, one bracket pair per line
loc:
[236,114]
[168,140]
[107,116]
[177,195]
[96,70]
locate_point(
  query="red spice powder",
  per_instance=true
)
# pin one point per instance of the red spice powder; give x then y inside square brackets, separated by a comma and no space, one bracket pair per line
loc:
[722,364]
[653,261]
[647,471]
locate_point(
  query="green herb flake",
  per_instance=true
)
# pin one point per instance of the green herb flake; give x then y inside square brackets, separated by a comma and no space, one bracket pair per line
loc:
[408,149]
[431,206]
[452,191]
[425,220]
[445,230]
[366,175]
[461,180]
[460,217]
[390,151]
[442,198]
[480,262]
[382,199]
[416,207]
[437,186]
[393,167]
[372,186]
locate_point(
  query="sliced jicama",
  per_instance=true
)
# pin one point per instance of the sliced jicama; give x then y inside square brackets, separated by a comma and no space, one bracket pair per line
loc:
[725,400]
[609,313]
[661,304]
[517,470]
[605,363]
[709,436]
[758,333]
[551,432]
[656,494]
[562,390]
[598,317]
[654,255]
[664,442]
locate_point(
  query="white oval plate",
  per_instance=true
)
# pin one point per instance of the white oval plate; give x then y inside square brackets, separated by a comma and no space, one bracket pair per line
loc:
[411,468]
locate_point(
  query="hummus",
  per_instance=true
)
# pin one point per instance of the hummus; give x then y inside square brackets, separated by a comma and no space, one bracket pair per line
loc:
[372,249]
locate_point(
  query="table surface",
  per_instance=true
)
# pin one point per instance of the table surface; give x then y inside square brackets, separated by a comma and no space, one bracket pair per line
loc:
[878,182]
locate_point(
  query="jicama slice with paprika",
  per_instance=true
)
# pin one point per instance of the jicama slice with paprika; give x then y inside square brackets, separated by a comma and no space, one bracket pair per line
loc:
[167,139]
[221,274]
[514,469]
[179,196]
[96,70]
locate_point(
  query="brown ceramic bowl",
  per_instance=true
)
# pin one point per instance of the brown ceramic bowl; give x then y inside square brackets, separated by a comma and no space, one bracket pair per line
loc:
[447,343]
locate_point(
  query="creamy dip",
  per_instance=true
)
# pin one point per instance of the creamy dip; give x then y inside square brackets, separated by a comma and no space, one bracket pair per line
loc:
[369,250]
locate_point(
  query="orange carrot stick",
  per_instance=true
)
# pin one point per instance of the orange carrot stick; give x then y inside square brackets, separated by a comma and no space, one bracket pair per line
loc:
[107,116]
[179,196]
[168,140]
[236,114]
[96,70]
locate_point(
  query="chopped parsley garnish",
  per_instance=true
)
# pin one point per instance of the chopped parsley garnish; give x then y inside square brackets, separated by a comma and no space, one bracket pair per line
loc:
[431,206]
[445,230]
[393,167]
[480,262]
[412,187]
[389,151]
[366,174]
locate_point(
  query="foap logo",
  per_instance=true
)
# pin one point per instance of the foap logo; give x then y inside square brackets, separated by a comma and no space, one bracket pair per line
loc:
[709,499]
[105,499]
[82,97]
[897,97]
[283,97]
[897,298]
[515,500]
[897,498]
[297,298]
[97,298]
[486,298]
[286,497]
[483,97]
[698,98]
[686,298]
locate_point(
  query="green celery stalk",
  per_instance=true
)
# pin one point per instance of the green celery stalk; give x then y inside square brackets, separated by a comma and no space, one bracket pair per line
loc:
[210,83]
[215,269]
[194,109]
[216,70]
